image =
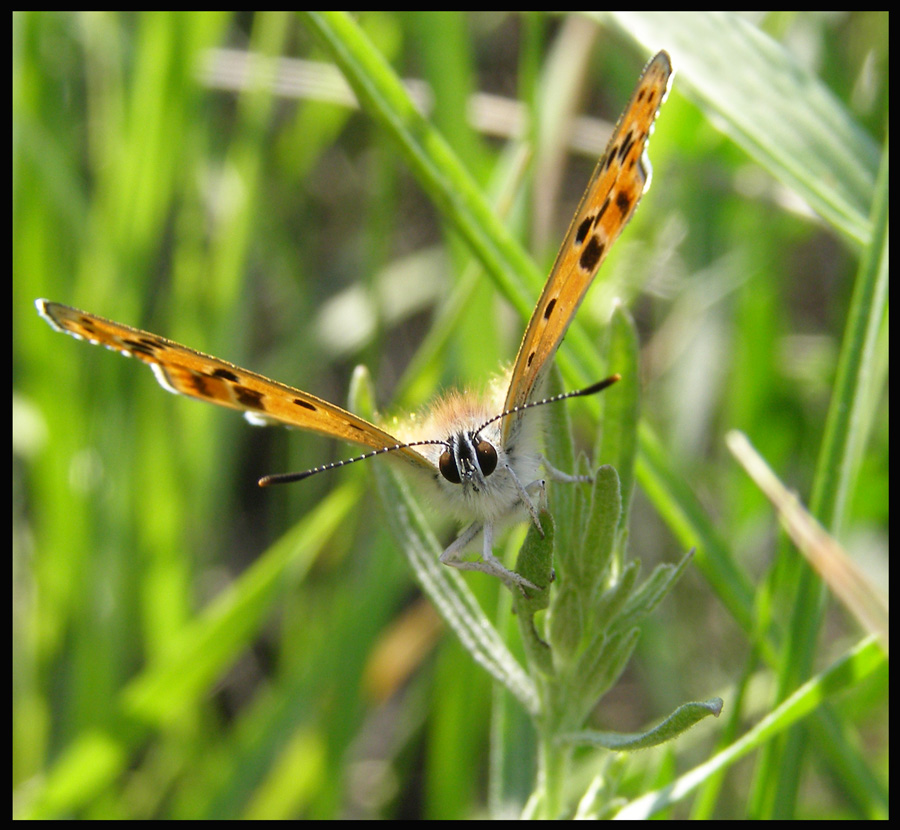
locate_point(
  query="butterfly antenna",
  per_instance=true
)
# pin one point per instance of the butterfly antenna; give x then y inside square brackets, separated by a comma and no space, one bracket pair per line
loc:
[288,478]
[593,389]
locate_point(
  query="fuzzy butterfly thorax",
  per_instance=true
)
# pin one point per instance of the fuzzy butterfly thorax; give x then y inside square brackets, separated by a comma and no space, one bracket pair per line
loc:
[464,419]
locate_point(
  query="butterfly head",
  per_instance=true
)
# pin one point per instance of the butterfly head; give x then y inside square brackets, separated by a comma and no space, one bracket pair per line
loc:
[468,457]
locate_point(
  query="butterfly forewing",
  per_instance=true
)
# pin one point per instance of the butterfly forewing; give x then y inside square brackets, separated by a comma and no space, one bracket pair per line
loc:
[619,180]
[197,375]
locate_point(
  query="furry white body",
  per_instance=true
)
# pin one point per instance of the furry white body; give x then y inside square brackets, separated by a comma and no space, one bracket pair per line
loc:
[503,493]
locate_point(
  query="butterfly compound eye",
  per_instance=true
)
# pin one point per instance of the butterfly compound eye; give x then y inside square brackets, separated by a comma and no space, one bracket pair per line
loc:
[448,468]
[487,457]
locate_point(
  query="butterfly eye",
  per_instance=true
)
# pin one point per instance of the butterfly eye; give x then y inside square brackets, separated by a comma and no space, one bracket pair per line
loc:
[487,457]
[448,468]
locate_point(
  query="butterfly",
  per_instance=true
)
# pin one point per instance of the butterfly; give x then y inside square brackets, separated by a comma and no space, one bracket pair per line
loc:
[479,454]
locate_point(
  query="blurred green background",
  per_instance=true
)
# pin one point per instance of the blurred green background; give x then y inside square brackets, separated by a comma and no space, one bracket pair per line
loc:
[186,645]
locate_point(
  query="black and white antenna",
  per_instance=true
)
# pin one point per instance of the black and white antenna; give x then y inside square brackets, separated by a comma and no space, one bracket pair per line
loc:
[288,478]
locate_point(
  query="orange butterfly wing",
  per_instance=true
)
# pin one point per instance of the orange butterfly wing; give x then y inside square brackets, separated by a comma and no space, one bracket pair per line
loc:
[197,375]
[620,179]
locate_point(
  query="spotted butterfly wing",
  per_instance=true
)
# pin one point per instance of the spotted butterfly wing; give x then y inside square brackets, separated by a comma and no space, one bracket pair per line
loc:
[197,375]
[620,179]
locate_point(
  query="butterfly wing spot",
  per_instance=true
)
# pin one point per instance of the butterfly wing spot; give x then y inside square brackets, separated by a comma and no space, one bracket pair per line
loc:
[304,404]
[584,229]
[225,374]
[249,398]
[196,384]
[625,147]
[623,202]
[140,348]
[549,309]
[591,255]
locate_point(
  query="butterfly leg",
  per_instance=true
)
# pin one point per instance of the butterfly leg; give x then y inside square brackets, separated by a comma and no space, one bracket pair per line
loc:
[489,563]
[559,475]
[526,498]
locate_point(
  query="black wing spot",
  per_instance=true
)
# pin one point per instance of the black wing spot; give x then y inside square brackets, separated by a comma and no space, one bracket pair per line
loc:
[591,255]
[623,202]
[225,374]
[627,144]
[198,383]
[249,398]
[549,309]
[584,229]
[142,346]
[305,405]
